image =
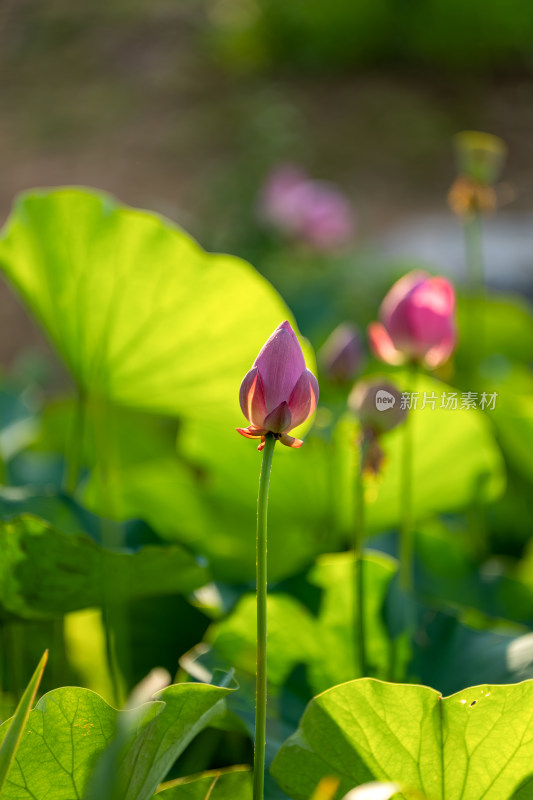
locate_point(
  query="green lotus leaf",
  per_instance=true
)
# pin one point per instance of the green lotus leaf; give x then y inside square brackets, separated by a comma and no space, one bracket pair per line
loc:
[456,460]
[17,724]
[211,486]
[138,311]
[70,727]
[45,573]
[233,783]
[472,745]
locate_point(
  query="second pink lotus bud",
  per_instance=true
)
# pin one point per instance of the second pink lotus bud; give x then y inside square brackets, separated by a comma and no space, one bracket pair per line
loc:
[417,321]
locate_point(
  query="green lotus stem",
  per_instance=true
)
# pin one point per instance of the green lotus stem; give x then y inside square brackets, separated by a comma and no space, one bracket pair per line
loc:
[73,455]
[4,478]
[114,614]
[261,577]
[3,469]
[16,646]
[473,233]
[406,500]
[406,533]
[359,589]
[474,253]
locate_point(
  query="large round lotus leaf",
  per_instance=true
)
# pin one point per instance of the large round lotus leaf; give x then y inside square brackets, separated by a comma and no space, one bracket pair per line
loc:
[474,745]
[206,498]
[139,312]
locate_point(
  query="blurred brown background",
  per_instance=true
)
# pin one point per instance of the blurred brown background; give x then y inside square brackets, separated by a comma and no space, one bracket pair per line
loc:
[182,106]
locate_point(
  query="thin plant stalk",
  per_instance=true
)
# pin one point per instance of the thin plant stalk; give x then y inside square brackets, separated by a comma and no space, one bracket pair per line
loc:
[473,232]
[4,475]
[406,541]
[358,543]
[261,576]
[406,499]
[15,635]
[3,670]
[73,455]
[3,468]
[474,253]
[476,330]
[114,612]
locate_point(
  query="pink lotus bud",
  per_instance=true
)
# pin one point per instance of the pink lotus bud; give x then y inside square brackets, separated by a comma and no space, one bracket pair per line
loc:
[417,321]
[278,393]
[342,354]
[314,212]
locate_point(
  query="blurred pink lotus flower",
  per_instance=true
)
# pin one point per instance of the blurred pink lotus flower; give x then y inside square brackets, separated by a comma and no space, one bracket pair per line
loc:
[342,354]
[417,321]
[315,212]
[279,392]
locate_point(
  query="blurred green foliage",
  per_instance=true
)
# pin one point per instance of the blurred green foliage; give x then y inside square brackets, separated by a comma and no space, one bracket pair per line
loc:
[448,34]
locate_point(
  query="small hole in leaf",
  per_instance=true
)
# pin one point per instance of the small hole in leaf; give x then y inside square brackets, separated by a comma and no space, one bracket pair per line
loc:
[473,703]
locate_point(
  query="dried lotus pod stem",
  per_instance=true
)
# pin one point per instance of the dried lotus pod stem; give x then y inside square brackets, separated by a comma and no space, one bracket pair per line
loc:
[377,404]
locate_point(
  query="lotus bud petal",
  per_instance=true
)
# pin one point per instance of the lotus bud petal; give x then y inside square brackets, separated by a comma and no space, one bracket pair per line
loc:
[280,419]
[252,398]
[279,392]
[304,398]
[290,441]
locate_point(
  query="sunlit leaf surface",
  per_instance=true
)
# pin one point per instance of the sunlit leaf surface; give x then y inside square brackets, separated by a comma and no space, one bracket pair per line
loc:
[139,312]
[475,744]
[226,784]
[71,726]
[456,460]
